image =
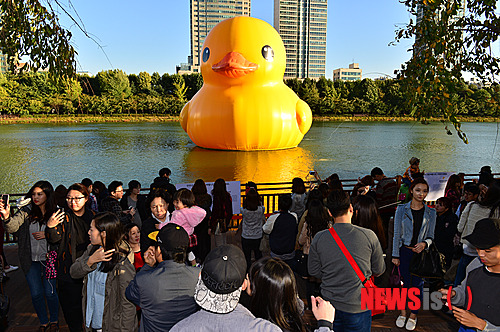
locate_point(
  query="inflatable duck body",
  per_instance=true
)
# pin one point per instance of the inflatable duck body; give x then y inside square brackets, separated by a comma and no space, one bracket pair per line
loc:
[244,103]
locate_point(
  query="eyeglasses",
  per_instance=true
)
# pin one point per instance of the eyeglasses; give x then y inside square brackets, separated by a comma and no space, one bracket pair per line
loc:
[76,199]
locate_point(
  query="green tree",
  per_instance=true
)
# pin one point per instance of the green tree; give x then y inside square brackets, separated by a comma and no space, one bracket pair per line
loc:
[156,83]
[28,28]
[449,40]
[113,83]
[194,82]
[144,82]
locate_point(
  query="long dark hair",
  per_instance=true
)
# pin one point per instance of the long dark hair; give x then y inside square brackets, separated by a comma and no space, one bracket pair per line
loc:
[219,190]
[317,218]
[298,186]
[492,197]
[50,204]
[252,200]
[108,222]
[452,183]
[366,215]
[275,277]
[202,198]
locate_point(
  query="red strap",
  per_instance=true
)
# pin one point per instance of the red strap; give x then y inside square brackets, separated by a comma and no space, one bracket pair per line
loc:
[347,255]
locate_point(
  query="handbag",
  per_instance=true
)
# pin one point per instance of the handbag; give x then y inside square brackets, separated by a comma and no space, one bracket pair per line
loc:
[50,269]
[395,278]
[429,263]
[368,283]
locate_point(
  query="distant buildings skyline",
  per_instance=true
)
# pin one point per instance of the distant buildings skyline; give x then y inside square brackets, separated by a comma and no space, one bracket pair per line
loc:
[302,26]
[353,73]
[204,15]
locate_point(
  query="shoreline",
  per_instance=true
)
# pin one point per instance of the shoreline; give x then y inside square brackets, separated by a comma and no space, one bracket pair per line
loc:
[68,119]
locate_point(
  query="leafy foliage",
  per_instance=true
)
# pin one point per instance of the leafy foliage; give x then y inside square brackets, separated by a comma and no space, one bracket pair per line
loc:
[28,28]
[113,92]
[451,37]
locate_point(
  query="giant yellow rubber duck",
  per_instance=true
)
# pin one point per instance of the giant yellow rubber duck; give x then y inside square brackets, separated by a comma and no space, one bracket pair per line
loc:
[244,103]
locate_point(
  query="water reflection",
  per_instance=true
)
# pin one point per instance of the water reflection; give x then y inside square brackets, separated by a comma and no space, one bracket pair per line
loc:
[257,166]
[64,154]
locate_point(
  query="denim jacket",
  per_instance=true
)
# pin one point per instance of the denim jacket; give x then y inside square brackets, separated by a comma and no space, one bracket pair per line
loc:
[403,227]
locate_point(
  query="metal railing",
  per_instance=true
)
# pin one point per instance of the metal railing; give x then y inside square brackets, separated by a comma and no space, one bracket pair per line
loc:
[269,192]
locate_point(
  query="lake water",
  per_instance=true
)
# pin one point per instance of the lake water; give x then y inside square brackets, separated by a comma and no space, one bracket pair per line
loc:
[67,153]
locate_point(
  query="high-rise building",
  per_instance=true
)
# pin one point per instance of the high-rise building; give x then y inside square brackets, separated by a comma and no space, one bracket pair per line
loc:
[302,26]
[205,14]
[422,11]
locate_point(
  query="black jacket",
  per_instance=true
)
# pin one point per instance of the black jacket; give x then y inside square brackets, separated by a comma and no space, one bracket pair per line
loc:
[445,231]
[111,204]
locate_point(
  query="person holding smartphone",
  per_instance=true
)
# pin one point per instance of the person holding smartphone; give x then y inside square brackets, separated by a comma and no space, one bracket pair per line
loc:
[69,233]
[29,225]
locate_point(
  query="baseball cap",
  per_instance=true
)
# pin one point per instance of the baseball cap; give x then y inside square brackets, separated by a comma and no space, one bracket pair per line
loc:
[219,287]
[486,234]
[170,237]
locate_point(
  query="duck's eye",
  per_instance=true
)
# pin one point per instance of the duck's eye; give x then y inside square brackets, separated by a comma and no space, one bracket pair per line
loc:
[206,54]
[268,53]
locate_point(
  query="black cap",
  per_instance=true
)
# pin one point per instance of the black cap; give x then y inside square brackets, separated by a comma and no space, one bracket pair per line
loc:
[224,269]
[486,234]
[171,237]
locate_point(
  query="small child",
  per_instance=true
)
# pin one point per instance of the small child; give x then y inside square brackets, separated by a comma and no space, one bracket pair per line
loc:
[187,215]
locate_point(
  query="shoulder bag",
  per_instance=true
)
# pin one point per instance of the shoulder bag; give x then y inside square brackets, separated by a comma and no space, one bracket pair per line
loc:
[368,283]
[429,263]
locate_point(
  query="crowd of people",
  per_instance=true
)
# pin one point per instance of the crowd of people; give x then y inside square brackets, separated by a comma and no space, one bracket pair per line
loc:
[118,260]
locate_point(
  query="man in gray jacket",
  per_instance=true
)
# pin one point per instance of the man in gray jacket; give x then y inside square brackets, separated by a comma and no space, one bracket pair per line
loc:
[339,283]
[165,292]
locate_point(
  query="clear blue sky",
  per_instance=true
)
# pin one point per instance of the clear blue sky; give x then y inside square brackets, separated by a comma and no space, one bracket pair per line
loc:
[154,35]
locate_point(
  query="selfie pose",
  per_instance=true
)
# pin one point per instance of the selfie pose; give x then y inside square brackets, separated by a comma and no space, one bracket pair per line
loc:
[107,269]
[28,224]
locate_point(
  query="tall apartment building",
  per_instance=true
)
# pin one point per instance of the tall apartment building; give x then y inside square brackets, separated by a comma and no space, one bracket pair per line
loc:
[421,10]
[302,26]
[205,14]
[353,73]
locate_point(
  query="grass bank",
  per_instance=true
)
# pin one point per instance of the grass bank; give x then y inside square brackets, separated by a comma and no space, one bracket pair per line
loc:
[170,118]
[86,118]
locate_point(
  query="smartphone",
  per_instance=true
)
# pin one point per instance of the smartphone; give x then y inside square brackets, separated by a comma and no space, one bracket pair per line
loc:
[5,199]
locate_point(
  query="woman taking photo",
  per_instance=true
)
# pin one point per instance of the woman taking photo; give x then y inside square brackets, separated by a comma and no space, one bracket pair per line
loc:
[28,224]
[222,212]
[299,197]
[414,225]
[133,199]
[69,232]
[107,269]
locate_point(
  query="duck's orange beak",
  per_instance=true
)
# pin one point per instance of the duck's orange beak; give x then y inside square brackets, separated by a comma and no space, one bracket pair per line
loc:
[234,65]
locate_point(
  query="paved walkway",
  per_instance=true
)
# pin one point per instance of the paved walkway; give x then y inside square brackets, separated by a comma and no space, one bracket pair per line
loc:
[22,317]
